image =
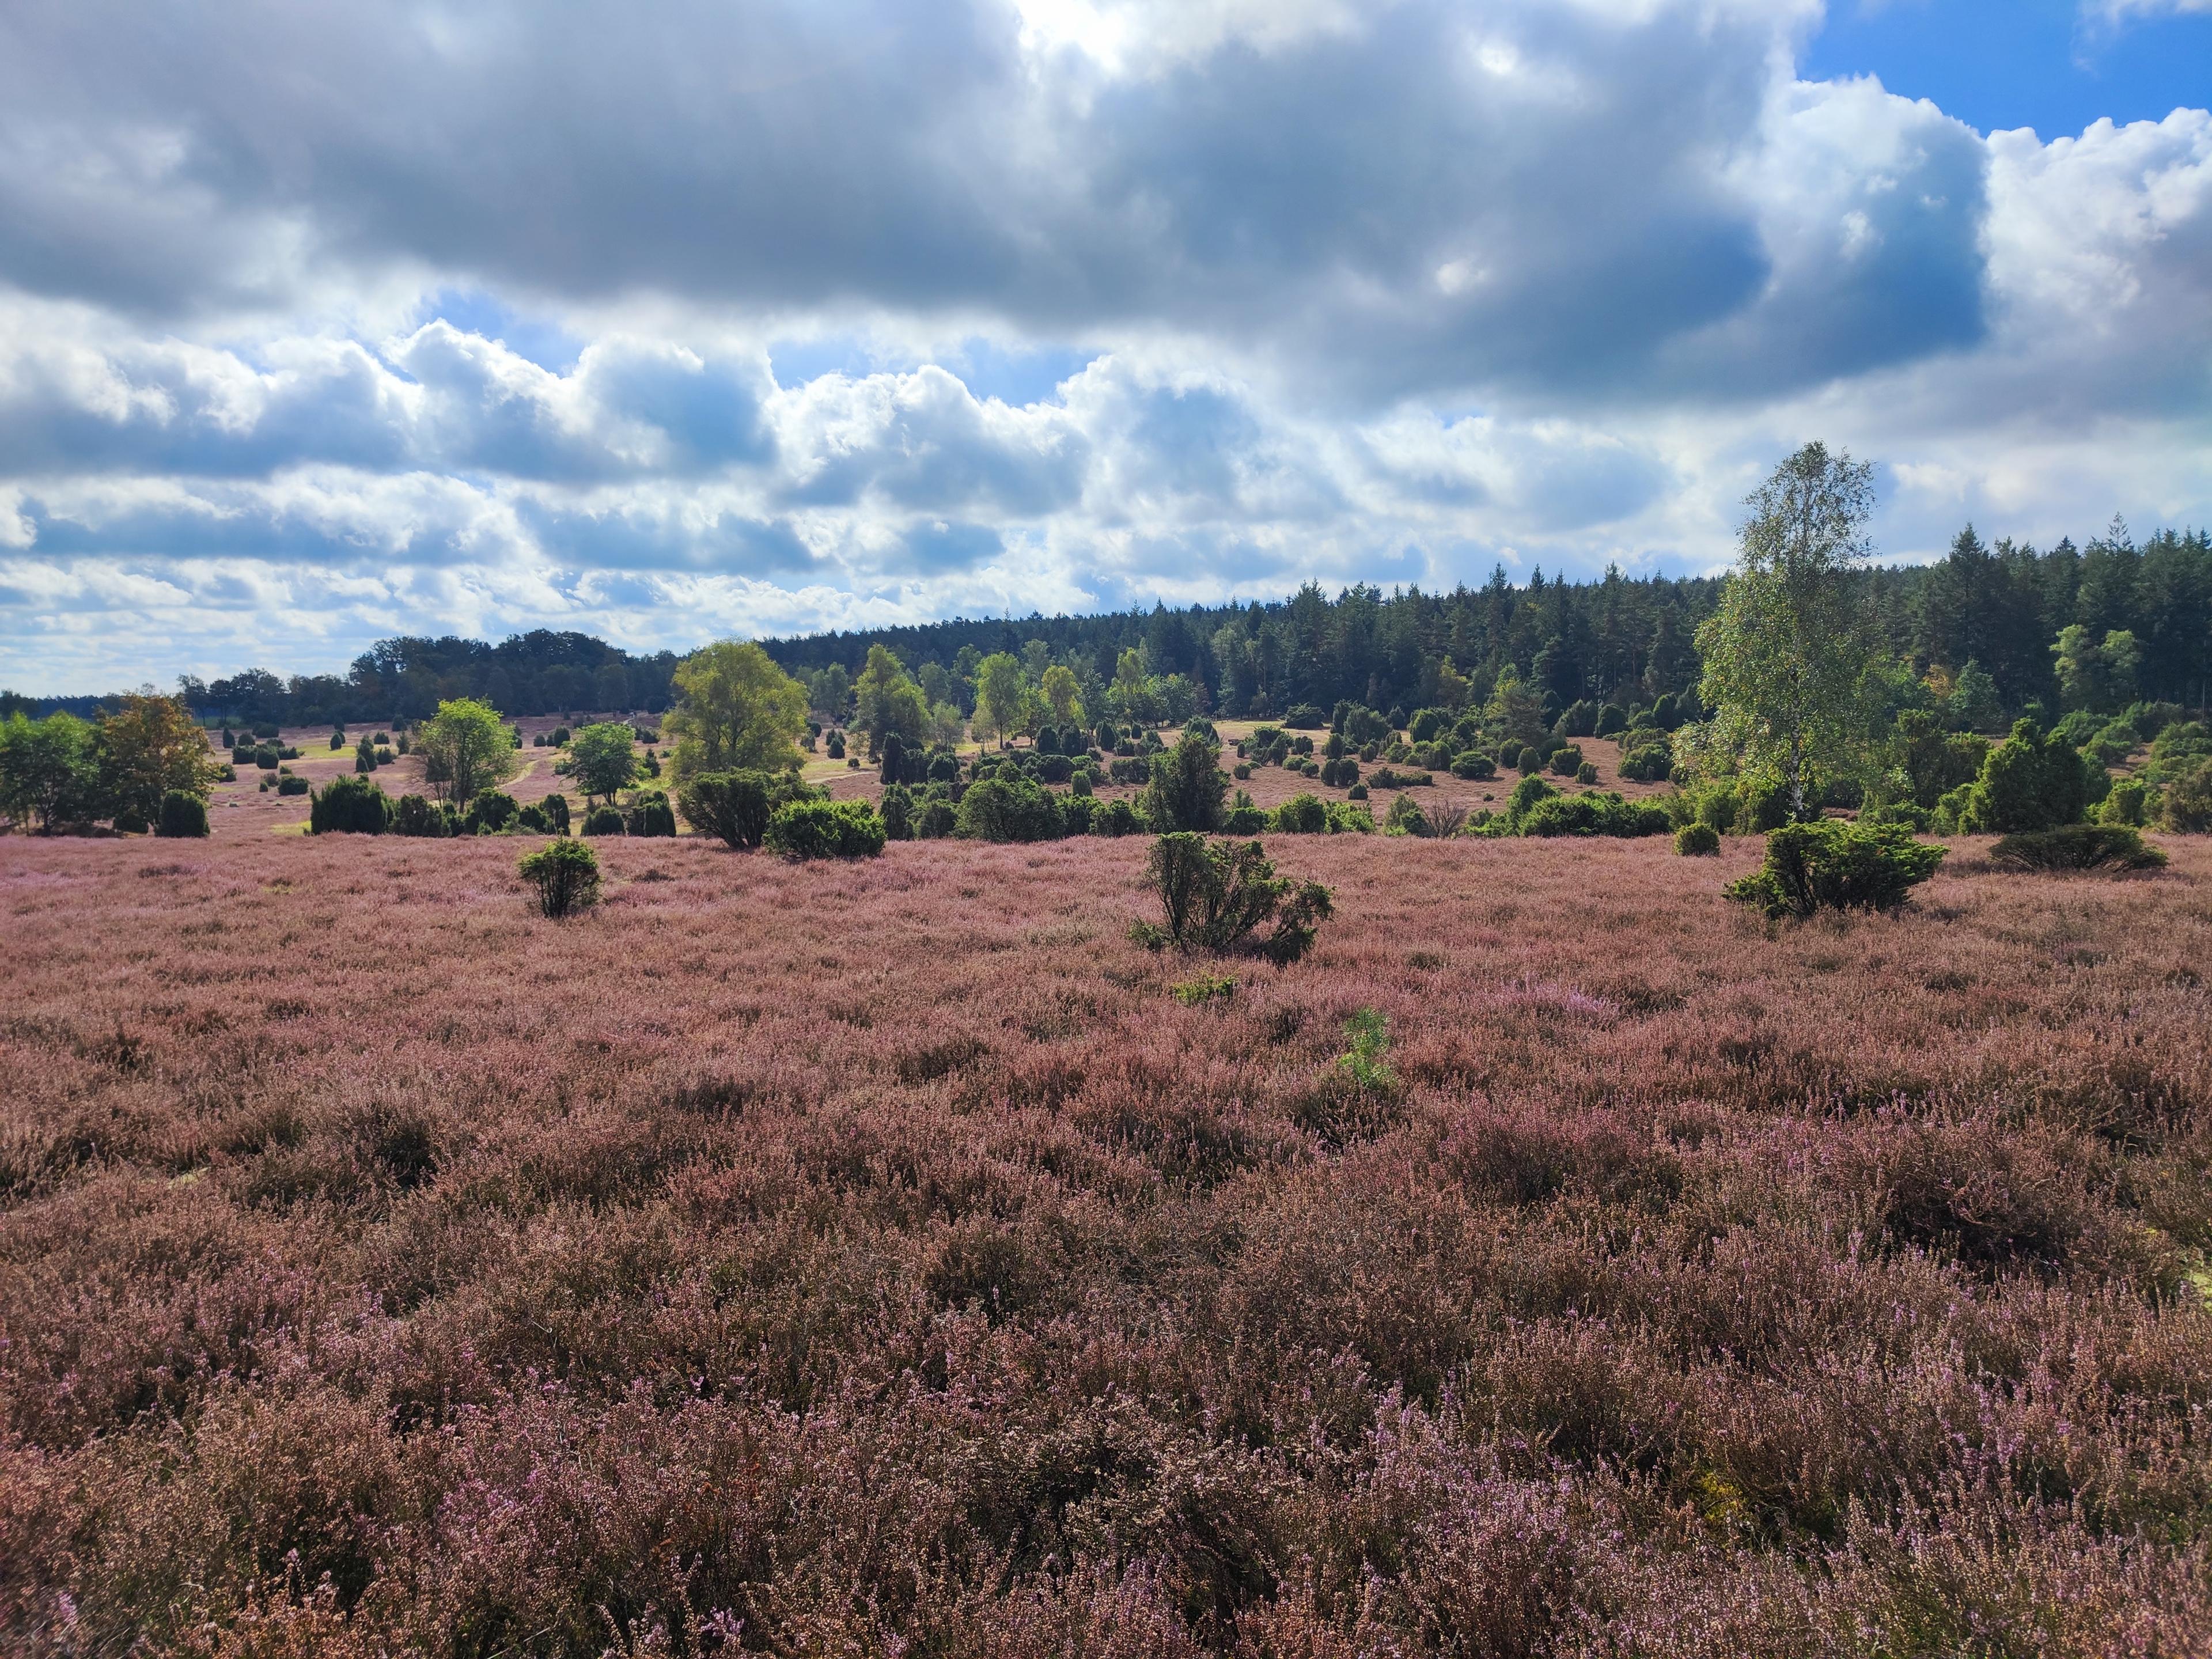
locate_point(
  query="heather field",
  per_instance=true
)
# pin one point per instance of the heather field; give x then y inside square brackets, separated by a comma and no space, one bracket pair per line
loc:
[882,1259]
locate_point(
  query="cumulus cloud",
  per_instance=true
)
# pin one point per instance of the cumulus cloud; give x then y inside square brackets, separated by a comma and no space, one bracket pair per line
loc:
[452,318]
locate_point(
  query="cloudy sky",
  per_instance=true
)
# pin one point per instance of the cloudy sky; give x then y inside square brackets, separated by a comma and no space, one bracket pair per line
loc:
[323,323]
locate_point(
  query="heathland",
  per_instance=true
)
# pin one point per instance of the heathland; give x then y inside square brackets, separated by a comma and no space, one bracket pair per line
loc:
[881,1257]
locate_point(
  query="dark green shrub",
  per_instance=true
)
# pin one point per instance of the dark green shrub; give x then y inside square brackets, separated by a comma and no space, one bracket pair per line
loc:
[1528,762]
[1428,724]
[337,740]
[1594,815]
[1301,815]
[1115,818]
[266,757]
[1567,761]
[364,757]
[1244,819]
[898,812]
[1080,786]
[1214,893]
[183,816]
[1006,806]
[2186,806]
[605,820]
[834,748]
[737,806]
[2031,781]
[648,813]
[531,819]
[411,815]
[489,813]
[2077,846]
[566,874]
[1829,863]
[1649,762]
[266,730]
[1586,773]
[825,830]
[1305,717]
[1612,720]
[1405,818]
[1697,840]
[291,786]
[1357,792]
[242,755]
[349,806]
[1475,765]
[937,819]
[555,808]
[131,822]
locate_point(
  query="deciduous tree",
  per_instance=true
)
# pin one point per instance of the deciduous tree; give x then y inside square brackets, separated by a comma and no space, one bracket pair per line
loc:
[601,761]
[466,750]
[735,709]
[1787,650]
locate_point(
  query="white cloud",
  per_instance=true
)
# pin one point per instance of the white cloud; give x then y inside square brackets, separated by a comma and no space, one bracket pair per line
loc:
[1380,293]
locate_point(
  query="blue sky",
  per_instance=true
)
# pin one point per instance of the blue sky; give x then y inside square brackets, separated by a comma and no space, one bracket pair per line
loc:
[318,325]
[2053,65]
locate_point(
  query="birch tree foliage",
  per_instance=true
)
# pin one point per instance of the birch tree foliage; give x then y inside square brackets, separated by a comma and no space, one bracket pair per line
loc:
[1786,653]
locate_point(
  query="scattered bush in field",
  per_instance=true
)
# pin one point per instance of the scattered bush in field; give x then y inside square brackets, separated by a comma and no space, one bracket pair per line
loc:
[1215,894]
[1186,786]
[349,806]
[1831,865]
[2029,781]
[1698,840]
[1367,1060]
[897,810]
[937,819]
[834,748]
[825,830]
[489,813]
[648,813]
[606,819]
[1132,769]
[1008,806]
[1594,815]
[337,740]
[566,874]
[555,808]
[736,805]
[290,785]
[1405,818]
[1357,792]
[1301,815]
[2129,804]
[1649,762]
[1565,761]
[2186,806]
[1207,987]
[1612,721]
[1115,818]
[1528,762]
[183,815]
[1305,717]
[1474,765]
[412,815]
[1586,774]
[1383,777]
[1080,786]
[266,757]
[2077,846]
[531,819]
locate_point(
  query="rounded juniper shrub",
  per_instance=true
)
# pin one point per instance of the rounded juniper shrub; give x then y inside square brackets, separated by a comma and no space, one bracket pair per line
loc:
[825,830]
[1357,792]
[183,815]
[1080,786]
[1566,760]
[1529,762]
[834,748]
[1697,840]
[1010,806]
[491,812]
[291,786]
[1115,818]
[1301,815]
[131,822]
[898,812]
[411,815]
[2077,846]
[1474,765]
[555,808]
[350,804]
[1586,773]
[566,874]
[650,814]
[605,821]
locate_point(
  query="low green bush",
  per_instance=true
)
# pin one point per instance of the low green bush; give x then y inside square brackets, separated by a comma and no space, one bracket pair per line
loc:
[1567,760]
[605,819]
[2077,846]
[412,815]
[648,813]
[566,874]
[489,813]
[349,806]
[2032,781]
[291,786]
[1829,863]
[1698,840]
[1213,896]
[1648,762]
[1594,815]
[1301,815]
[737,806]
[825,830]
[1115,818]
[1009,806]
[1474,765]
[2186,806]
[1585,772]
[183,816]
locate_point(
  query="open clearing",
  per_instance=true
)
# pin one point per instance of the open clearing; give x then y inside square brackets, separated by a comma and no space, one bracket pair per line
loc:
[828,1250]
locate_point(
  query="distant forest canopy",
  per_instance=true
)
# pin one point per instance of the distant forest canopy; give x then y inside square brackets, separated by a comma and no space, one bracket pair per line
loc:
[1620,639]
